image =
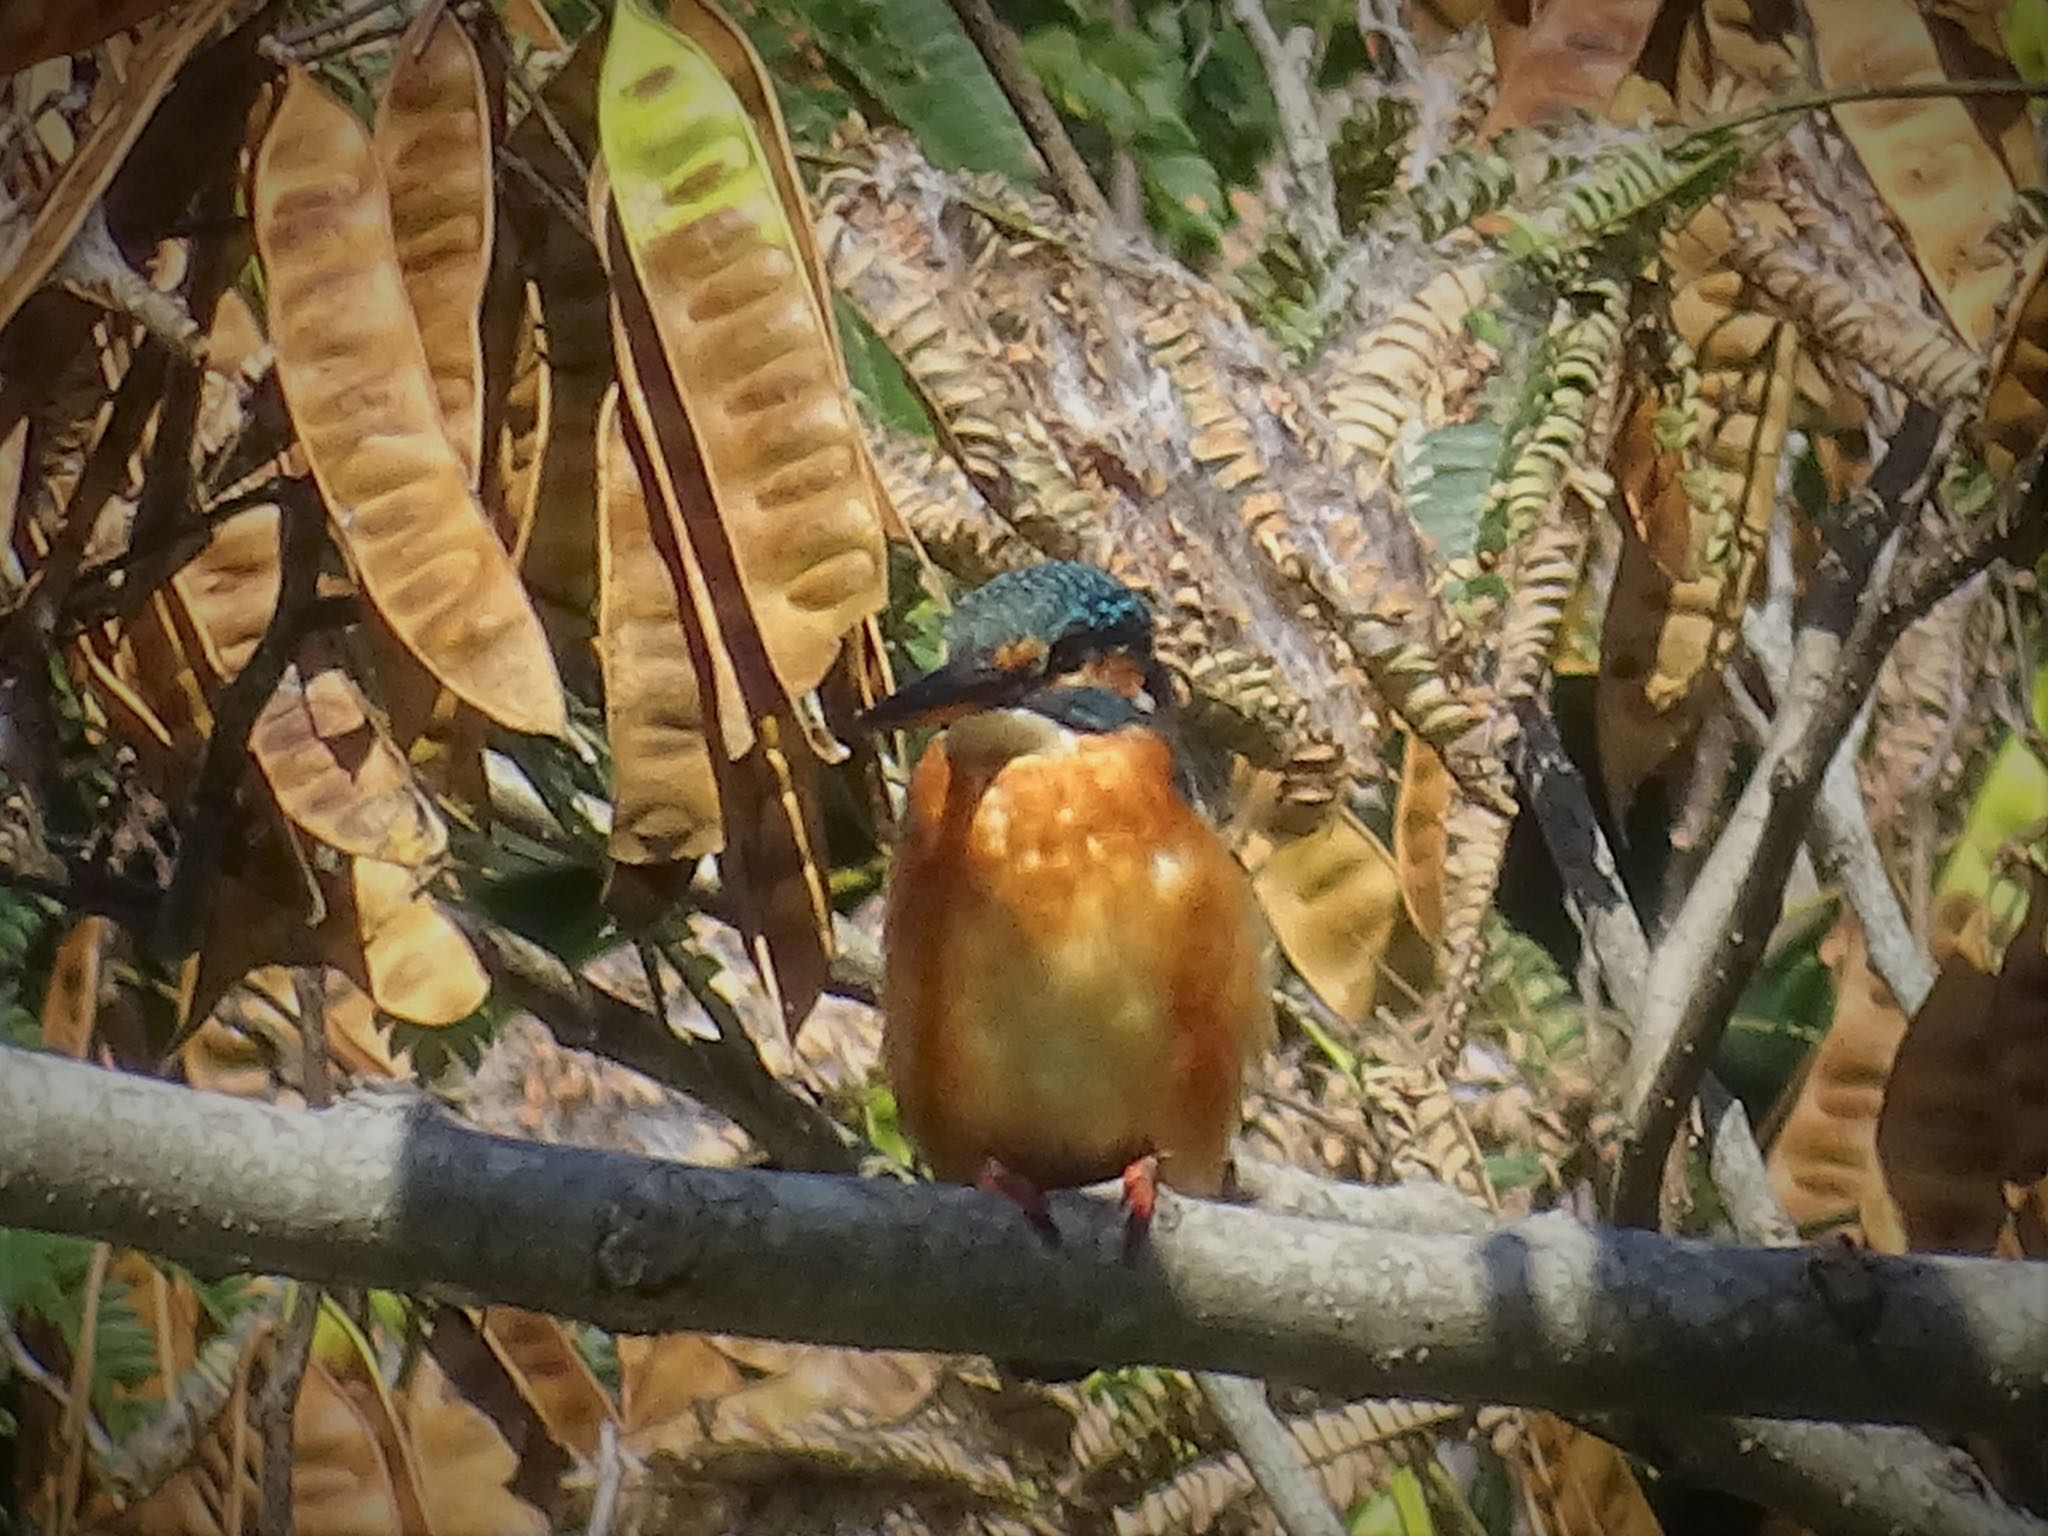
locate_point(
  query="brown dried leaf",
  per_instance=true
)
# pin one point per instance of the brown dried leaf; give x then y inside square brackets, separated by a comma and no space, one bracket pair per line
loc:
[1824,1157]
[33,30]
[71,1004]
[664,785]
[1333,896]
[662,1380]
[1420,841]
[551,1375]
[1580,1485]
[1940,179]
[229,589]
[341,1481]
[32,238]
[1570,60]
[337,776]
[417,964]
[463,1463]
[356,378]
[1966,1109]
[433,139]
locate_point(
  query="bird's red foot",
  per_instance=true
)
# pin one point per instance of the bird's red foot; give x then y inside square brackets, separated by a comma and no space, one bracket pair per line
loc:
[1029,1198]
[1141,1199]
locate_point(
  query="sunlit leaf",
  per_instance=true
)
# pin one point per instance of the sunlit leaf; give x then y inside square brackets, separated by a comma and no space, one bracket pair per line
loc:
[356,377]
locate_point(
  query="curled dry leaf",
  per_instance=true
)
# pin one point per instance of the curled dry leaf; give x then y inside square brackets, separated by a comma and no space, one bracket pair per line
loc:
[433,140]
[341,1480]
[1940,178]
[463,1463]
[1964,1112]
[417,964]
[337,776]
[71,1002]
[229,589]
[33,30]
[1571,60]
[1824,1157]
[355,376]
[662,1379]
[664,786]
[1333,896]
[551,1375]
[1580,1485]
[746,338]
[1420,841]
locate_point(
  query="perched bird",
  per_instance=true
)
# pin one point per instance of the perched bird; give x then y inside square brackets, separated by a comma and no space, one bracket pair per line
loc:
[1076,970]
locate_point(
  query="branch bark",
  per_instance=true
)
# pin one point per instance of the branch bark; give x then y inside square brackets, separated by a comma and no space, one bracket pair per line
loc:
[383,1191]
[1313,211]
[1698,969]
[997,44]
[1830,1478]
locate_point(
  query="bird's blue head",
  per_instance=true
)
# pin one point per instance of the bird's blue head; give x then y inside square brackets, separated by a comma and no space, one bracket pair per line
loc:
[1062,638]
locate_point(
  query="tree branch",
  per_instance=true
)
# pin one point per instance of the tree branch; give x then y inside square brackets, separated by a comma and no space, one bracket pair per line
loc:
[1700,966]
[1538,1311]
[997,45]
[1270,1454]
[1830,1478]
[1312,212]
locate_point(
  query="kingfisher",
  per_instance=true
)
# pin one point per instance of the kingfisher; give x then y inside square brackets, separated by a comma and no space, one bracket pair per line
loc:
[1076,971]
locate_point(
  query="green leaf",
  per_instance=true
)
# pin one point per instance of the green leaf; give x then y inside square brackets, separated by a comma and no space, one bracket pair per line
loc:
[877,377]
[2024,27]
[915,61]
[1401,1510]
[1444,477]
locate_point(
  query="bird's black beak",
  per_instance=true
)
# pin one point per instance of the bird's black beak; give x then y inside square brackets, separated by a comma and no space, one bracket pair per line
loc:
[960,687]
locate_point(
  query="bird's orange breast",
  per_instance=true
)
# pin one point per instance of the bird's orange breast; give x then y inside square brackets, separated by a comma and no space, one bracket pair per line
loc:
[1076,967]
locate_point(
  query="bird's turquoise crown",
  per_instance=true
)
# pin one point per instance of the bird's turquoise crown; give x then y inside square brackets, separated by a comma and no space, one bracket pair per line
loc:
[1012,636]
[1074,610]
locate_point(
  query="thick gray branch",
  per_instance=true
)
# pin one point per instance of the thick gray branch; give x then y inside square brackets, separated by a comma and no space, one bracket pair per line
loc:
[1541,1311]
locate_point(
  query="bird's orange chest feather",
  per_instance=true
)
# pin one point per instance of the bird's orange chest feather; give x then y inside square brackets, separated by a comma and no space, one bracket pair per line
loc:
[1075,969]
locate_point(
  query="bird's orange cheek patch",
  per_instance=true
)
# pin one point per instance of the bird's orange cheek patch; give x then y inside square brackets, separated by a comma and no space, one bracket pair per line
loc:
[1024,654]
[1118,672]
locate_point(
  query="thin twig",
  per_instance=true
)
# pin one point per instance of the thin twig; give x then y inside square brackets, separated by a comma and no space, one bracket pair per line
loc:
[558,201]
[537,103]
[1312,212]
[997,44]
[316,1079]
[792,1131]
[611,1477]
[203,829]
[72,1435]
[1556,794]
[1855,95]
[275,1411]
[1270,1454]
[105,472]
[1844,848]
